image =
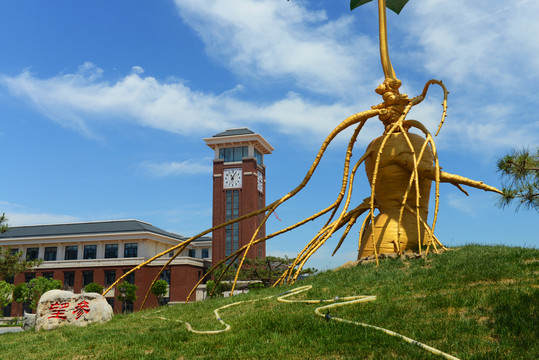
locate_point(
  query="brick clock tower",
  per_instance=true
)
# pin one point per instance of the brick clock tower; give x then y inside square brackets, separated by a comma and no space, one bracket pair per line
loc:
[239,187]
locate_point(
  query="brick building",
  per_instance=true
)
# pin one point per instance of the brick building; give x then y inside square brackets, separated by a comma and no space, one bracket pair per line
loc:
[80,253]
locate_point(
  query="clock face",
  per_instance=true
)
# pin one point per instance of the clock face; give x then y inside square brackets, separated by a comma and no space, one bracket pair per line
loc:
[260,182]
[231,178]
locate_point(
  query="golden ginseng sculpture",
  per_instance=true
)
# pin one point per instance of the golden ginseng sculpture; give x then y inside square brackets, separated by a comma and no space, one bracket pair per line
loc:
[401,168]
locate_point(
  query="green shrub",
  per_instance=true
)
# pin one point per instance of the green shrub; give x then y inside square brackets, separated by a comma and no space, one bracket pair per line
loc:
[160,288]
[93,287]
[215,291]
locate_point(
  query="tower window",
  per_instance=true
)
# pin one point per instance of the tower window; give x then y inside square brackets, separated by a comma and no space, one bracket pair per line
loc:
[258,156]
[233,154]
[231,212]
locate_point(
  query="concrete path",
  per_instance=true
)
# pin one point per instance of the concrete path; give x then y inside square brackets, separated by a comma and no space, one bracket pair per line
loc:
[4,330]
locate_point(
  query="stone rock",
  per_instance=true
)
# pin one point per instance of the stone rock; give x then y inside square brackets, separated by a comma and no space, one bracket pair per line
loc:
[28,321]
[59,308]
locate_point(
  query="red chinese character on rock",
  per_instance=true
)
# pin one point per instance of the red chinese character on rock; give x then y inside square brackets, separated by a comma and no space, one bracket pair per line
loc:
[58,310]
[82,308]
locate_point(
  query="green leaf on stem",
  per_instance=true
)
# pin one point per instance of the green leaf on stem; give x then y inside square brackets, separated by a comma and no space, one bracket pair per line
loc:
[395,5]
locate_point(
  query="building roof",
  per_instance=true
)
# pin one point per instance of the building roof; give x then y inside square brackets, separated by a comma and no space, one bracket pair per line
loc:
[85,228]
[233,132]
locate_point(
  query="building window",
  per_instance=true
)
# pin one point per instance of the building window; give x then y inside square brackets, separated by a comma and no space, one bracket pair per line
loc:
[90,252]
[32,253]
[71,253]
[127,307]
[163,301]
[261,204]
[48,275]
[233,154]
[69,279]
[130,278]
[130,250]
[110,277]
[29,276]
[111,251]
[50,254]
[110,300]
[87,278]
[165,275]
[13,252]
[7,310]
[258,156]
[231,212]
[205,253]
[192,253]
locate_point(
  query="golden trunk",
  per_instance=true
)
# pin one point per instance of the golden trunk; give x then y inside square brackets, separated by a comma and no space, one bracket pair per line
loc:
[393,183]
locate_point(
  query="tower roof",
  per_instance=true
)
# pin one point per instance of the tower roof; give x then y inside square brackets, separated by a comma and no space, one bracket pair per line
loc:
[239,137]
[234,132]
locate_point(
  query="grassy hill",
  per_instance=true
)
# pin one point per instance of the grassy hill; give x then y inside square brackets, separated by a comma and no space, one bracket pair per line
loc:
[476,302]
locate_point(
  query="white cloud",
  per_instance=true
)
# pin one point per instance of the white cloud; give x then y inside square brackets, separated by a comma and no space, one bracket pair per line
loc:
[187,167]
[80,99]
[21,219]
[491,42]
[487,53]
[461,203]
[284,40]
[484,56]
[20,215]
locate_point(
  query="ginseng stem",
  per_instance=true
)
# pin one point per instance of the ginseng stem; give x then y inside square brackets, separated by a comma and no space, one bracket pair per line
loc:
[384,47]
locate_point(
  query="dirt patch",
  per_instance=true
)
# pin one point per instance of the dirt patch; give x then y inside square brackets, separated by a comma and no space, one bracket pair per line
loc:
[489,282]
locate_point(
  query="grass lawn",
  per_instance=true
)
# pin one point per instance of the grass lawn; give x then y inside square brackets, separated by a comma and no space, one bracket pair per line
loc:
[476,302]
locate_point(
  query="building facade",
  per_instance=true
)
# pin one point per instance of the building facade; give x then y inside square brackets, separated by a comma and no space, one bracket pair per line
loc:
[239,187]
[81,253]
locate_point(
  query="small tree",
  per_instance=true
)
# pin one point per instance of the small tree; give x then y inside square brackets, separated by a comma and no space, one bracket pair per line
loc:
[21,293]
[13,263]
[159,289]
[266,270]
[6,294]
[521,172]
[127,293]
[31,292]
[3,225]
[93,287]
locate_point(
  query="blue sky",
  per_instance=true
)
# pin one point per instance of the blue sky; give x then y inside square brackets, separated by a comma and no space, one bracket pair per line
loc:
[104,104]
